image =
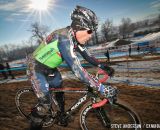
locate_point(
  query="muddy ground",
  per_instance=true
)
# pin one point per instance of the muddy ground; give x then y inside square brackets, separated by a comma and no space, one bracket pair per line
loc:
[146,102]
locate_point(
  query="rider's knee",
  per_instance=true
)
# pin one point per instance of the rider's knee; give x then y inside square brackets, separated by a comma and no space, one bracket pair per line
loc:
[56,84]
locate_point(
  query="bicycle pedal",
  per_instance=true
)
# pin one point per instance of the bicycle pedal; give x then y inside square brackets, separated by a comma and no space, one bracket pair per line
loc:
[70,118]
[48,122]
[63,123]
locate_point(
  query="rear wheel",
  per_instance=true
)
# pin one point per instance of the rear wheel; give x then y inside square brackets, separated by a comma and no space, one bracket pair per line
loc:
[109,117]
[26,101]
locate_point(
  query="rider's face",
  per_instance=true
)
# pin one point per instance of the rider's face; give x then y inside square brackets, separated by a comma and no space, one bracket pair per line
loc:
[83,36]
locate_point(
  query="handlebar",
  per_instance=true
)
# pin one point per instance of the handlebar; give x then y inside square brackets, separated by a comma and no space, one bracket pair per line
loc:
[105,75]
[100,104]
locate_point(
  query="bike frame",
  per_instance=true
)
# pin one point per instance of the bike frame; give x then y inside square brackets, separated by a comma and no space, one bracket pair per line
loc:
[88,94]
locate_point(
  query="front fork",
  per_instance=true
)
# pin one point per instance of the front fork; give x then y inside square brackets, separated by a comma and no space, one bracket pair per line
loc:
[98,106]
[103,117]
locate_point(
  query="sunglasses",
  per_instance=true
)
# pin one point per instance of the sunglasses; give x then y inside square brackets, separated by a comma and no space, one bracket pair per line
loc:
[89,31]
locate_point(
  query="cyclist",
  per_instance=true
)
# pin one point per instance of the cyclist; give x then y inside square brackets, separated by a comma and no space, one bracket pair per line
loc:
[59,47]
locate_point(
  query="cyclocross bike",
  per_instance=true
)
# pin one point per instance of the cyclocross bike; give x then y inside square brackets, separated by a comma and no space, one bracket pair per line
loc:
[96,113]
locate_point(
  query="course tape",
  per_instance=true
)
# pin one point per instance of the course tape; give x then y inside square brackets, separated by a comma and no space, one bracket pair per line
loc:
[66,66]
[137,83]
[14,69]
[24,68]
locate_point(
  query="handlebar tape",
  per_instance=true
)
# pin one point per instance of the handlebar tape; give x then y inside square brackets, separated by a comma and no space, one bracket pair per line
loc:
[99,104]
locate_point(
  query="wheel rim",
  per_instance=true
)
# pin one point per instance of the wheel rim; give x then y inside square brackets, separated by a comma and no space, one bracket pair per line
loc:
[25,101]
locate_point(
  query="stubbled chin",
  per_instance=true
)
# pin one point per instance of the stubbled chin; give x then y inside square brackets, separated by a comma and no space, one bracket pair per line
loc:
[83,42]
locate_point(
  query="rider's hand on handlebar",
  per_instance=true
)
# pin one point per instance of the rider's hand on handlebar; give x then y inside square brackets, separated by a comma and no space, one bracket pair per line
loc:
[108,91]
[110,71]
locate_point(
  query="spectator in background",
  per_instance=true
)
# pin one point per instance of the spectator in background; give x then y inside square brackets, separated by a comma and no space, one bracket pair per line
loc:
[107,55]
[138,49]
[2,70]
[9,70]
[129,50]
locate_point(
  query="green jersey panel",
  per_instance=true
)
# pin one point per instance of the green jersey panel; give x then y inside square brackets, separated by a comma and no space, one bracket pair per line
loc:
[49,54]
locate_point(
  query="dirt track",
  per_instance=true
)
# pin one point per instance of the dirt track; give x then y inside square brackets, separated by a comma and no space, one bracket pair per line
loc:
[146,102]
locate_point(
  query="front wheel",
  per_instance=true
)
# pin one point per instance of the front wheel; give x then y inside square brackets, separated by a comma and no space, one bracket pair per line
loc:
[117,116]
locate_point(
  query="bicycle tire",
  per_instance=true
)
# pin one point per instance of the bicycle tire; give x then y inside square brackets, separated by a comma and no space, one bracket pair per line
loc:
[25,100]
[119,116]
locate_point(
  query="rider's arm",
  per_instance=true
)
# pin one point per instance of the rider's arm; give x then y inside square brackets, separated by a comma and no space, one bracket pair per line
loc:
[87,56]
[91,59]
[67,51]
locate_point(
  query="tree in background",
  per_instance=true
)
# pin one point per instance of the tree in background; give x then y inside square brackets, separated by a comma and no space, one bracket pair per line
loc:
[125,28]
[14,51]
[96,37]
[106,29]
[2,53]
[159,20]
[39,32]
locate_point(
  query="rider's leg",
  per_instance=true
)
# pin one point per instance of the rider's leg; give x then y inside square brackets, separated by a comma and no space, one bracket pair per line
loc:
[37,74]
[55,80]
[61,102]
[41,88]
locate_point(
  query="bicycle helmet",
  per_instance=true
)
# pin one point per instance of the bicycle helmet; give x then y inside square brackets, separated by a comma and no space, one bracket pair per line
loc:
[83,18]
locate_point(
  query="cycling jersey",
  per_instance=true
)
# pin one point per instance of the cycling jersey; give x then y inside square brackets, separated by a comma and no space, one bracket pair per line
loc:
[48,54]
